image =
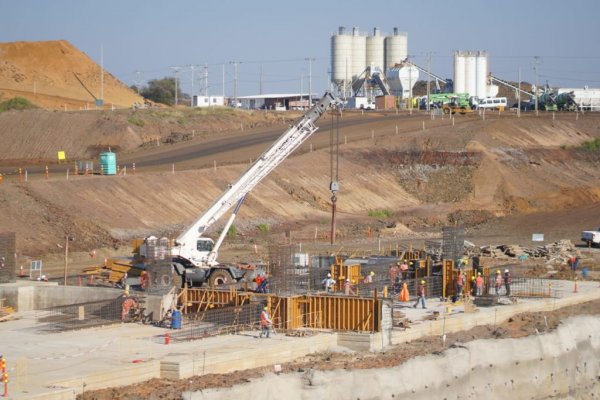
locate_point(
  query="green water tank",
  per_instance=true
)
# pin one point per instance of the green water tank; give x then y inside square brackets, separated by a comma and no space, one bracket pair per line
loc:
[108,163]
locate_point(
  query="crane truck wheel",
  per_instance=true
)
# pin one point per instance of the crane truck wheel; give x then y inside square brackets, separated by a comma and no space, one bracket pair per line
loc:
[219,277]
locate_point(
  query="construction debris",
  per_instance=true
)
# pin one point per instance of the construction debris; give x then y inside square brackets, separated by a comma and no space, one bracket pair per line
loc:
[557,252]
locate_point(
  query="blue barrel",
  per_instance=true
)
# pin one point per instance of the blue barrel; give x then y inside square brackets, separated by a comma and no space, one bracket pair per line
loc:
[176,320]
[108,163]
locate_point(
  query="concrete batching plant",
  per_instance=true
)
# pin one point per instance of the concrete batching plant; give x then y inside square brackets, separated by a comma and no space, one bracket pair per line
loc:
[471,73]
[353,52]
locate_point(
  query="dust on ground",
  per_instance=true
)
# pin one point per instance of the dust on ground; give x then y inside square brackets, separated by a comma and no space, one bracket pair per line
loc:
[520,325]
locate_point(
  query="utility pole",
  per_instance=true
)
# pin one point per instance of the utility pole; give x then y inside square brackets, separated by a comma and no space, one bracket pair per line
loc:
[192,94]
[260,87]
[310,60]
[428,79]
[235,65]
[138,82]
[102,73]
[223,82]
[176,70]
[206,80]
[519,96]
[536,60]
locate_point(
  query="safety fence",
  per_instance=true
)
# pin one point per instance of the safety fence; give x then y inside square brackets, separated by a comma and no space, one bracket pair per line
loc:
[527,287]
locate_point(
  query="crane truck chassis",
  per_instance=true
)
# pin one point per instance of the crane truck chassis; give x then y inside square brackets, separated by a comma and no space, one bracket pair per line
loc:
[193,256]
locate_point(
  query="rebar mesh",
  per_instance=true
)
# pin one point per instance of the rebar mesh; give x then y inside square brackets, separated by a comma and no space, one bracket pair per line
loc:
[453,242]
[160,278]
[82,315]
[288,277]
[219,321]
[526,287]
[7,257]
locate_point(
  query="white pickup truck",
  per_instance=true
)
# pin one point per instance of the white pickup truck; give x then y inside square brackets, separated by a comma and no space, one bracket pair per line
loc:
[591,238]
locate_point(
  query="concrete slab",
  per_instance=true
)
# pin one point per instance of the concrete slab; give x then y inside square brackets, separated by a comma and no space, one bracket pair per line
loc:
[44,365]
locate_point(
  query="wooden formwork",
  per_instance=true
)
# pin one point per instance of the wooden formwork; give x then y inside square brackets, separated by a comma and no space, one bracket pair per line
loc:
[341,272]
[449,278]
[295,312]
[327,312]
[194,300]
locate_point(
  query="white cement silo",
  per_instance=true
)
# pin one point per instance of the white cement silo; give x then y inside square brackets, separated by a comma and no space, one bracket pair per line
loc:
[341,57]
[359,53]
[396,48]
[375,50]
[471,73]
[459,72]
[482,72]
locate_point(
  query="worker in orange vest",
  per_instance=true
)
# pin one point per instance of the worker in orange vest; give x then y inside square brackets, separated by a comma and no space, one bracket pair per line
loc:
[479,284]
[265,323]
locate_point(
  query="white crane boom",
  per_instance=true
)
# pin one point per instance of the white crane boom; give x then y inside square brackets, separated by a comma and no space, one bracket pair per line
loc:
[190,245]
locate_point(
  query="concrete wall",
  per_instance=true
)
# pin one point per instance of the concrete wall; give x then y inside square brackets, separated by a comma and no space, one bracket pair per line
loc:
[27,296]
[556,364]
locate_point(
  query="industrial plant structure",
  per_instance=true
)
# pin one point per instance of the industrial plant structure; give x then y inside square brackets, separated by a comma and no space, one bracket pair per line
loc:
[354,55]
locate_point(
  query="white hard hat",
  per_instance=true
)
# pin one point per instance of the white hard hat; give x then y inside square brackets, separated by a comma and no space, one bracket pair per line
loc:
[329,275]
[505,271]
[347,280]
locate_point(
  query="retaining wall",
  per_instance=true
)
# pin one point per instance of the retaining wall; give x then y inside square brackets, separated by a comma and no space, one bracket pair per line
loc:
[558,364]
[28,296]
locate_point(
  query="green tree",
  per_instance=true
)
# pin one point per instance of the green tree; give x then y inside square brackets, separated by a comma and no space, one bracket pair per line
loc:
[161,91]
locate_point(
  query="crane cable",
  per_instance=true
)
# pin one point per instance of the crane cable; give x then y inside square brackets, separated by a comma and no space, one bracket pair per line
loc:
[334,147]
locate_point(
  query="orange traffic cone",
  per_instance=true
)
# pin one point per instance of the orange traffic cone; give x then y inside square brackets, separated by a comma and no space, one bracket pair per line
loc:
[404,296]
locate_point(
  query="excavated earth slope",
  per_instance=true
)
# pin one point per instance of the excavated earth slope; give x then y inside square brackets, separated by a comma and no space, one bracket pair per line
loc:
[57,75]
[471,172]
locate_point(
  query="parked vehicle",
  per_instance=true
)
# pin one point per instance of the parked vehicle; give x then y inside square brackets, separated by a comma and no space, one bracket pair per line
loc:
[591,238]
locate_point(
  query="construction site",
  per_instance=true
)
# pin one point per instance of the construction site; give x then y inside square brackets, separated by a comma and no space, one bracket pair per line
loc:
[179,253]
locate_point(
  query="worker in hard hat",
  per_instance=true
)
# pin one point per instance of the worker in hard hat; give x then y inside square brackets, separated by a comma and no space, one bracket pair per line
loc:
[348,290]
[507,281]
[394,271]
[369,277]
[479,284]
[420,295]
[460,281]
[265,323]
[329,284]
[404,270]
[498,282]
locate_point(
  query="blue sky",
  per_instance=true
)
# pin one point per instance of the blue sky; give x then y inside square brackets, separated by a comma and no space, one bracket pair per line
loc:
[150,36]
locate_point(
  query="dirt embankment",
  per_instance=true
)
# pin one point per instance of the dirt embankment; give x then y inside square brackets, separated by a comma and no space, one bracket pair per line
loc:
[37,135]
[57,75]
[469,173]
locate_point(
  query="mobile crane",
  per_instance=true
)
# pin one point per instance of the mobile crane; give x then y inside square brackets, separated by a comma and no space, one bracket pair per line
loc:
[194,256]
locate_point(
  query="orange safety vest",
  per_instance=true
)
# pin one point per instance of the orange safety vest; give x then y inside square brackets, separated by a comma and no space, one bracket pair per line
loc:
[264,317]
